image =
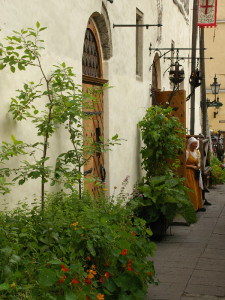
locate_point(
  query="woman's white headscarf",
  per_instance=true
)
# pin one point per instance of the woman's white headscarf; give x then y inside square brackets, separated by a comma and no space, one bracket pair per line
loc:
[190,141]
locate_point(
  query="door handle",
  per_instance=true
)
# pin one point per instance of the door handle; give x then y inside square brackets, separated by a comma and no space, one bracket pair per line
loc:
[103,173]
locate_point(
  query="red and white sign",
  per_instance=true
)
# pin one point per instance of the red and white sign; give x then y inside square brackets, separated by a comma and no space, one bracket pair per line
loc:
[207,13]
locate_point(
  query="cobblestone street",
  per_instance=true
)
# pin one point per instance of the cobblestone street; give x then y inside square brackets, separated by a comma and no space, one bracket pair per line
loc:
[190,261]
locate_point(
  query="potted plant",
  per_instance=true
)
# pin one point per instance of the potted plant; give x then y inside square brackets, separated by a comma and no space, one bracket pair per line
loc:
[161,195]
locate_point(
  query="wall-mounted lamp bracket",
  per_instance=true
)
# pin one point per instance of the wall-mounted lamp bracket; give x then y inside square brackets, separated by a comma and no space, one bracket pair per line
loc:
[137,25]
[171,49]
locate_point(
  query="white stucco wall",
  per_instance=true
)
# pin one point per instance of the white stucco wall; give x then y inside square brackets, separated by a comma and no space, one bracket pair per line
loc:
[126,102]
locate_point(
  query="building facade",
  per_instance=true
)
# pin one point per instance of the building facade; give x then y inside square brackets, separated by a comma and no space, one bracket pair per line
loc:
[124,60]
[214,41]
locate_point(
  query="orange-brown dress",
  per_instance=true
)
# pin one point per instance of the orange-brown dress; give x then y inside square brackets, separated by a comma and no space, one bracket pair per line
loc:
[192,183]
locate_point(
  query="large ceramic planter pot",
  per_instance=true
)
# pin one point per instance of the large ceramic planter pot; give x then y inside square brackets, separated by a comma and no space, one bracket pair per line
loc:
[159,227]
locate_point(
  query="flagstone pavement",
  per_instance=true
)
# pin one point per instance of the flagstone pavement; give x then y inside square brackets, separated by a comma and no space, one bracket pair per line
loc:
[190,260]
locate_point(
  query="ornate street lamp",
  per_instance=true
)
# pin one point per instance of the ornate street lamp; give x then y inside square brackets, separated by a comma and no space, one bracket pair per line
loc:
[215,87]
[176,76]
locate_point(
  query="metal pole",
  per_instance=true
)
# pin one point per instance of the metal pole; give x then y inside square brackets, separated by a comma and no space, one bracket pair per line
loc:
[194,41]
[203,90]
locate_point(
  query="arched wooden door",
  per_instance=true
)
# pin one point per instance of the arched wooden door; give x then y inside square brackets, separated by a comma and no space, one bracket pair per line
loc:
[94,126]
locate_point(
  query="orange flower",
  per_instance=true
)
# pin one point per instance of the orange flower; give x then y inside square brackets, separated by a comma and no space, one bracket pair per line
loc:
[133,233]
[149,273]
[107,263]
[89,258]
[100,296]
[107,275]
[124,252]
[91,274]
[93,266]
[13,285]
[74,281]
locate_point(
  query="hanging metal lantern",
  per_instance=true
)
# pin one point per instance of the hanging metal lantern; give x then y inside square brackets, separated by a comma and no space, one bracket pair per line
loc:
[195,78]
[176,76]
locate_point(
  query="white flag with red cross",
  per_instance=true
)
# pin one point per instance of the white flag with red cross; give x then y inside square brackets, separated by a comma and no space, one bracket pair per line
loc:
[207,13]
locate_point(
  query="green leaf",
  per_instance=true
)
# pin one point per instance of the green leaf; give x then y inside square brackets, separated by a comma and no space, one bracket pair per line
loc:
[37,24]
[9,48]
[2,66]
[12,68]
[43,28]
[21,67]
[70,296]
[47,277]
[4,286]
[115,137]
[55,262]
[90,247]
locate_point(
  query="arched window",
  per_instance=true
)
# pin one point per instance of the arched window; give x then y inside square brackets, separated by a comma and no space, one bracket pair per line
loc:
[156,74]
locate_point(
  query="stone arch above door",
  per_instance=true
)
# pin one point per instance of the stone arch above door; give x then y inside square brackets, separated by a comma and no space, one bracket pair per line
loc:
[102,23]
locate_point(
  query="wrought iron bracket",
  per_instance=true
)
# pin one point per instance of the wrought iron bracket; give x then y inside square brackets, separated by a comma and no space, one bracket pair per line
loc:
[137,25]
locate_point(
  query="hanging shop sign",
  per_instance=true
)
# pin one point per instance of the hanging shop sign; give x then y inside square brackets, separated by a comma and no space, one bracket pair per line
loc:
[207,13]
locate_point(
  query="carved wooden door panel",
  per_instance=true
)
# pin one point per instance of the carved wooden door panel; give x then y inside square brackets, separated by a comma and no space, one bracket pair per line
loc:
[93,126]
[94,130]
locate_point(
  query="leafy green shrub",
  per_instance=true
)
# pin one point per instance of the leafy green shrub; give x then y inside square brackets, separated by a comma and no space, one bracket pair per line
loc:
[84,248]
[218,174]
[163,137]
[163,195]
[161,191]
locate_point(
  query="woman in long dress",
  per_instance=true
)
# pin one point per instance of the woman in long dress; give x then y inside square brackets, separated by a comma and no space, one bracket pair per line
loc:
[193,183]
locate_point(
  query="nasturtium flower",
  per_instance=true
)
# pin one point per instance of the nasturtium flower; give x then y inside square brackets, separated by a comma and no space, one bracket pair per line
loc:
[124,252]
[62,279]
[129,266]
[100,296]
[13,285]
[102,281]
[91,274]
[107,275]
[88,281]
[75,281]
[64,268]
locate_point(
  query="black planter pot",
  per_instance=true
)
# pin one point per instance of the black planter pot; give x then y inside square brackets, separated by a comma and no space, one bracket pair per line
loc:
[159,228]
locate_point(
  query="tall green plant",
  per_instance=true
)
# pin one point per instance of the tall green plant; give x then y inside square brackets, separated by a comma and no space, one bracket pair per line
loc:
[161,192]
[63,105]
[162,135]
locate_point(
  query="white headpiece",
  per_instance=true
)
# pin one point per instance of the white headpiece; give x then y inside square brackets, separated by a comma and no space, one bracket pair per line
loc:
[190,141]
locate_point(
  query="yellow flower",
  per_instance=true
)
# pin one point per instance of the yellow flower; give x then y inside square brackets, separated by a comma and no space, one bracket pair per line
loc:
[13,285]
[100,296]
[105,189]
